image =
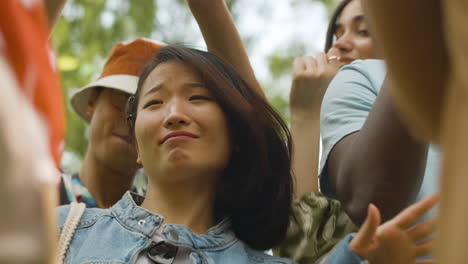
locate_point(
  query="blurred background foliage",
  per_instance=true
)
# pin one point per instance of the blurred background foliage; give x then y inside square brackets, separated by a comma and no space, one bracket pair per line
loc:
[89,29]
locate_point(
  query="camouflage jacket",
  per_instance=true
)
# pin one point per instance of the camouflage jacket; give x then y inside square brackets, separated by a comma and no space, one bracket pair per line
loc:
[317,225]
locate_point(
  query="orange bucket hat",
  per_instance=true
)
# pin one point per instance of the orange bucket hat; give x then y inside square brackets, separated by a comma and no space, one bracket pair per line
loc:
[121,71]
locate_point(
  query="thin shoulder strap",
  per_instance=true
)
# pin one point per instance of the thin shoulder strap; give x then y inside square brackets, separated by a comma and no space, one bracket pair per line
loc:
[74,216]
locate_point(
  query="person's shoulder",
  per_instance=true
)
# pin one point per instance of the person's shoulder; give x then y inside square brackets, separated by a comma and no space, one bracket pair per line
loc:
[373,70]
[371,66]
[356,76]
[89,216]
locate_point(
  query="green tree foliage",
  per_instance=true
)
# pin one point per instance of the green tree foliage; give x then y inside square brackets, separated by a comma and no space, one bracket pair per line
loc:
[85,34]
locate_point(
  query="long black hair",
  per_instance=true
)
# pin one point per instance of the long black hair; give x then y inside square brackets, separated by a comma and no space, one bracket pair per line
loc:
[255,189]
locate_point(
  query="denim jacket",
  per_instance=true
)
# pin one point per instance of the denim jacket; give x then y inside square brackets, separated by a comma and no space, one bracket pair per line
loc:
[126,233]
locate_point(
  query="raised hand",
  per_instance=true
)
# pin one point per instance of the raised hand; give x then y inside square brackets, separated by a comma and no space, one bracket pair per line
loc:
[310,80]
[396,241]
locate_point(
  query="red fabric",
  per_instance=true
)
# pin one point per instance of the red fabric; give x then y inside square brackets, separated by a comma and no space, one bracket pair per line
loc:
[24,37]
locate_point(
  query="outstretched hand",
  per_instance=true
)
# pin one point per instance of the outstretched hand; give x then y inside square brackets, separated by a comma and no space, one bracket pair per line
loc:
[396,241]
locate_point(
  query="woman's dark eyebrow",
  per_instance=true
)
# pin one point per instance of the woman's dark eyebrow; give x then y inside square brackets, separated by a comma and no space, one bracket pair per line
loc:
[358,18]
[152,90]
[201,85]
[159,86]
[355,19]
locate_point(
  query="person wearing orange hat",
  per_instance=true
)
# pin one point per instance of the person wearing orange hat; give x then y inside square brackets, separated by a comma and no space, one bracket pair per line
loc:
[109,165]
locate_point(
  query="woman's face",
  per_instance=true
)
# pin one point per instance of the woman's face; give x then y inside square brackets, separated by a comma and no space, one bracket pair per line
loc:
[180,127]
[352,36]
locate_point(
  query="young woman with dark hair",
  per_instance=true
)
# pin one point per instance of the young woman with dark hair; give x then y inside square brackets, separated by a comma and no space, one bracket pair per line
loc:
[332,24]
[253,186]
[217,159]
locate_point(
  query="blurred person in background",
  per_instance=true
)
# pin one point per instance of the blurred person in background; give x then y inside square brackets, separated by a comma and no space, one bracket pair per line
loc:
[32,128]
[109,165]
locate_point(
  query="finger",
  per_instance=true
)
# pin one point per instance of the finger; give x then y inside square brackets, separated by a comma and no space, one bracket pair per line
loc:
[322,60]
[366,233]
[422,230]
[335,61]
[299,65]
[415,211]
[311,64]
[333,56]
[425,248]
[333,52]
[323,66]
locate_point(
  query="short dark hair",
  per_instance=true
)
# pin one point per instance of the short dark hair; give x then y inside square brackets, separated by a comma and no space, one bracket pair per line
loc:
[329,39]
[255,190]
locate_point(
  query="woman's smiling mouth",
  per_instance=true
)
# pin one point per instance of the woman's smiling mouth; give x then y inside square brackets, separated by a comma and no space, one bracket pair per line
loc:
[177,135]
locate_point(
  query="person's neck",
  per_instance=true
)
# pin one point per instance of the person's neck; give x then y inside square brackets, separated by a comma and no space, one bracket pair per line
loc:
[106,185]
[187,204]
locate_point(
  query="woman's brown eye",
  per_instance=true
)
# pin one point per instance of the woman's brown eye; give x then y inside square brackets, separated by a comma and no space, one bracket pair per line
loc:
[364,33]
[152,102]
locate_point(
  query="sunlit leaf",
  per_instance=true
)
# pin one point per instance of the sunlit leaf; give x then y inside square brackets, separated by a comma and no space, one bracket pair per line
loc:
[67,63]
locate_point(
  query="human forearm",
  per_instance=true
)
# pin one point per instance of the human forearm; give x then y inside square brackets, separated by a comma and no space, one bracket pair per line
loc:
[381,164]
[305,130]
[311,77]
[222,37]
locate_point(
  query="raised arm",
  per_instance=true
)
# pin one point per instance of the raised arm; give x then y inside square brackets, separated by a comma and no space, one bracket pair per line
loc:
[54,9]
[222,37]
[310,80]
[381,164]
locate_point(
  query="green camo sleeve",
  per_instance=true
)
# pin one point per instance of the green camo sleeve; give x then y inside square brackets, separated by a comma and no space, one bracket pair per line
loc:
[316,226]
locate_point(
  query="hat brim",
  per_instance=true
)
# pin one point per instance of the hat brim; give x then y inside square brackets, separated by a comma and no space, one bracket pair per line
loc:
[121,82]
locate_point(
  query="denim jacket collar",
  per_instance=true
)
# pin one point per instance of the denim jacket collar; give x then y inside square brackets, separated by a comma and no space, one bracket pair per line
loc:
[138,219]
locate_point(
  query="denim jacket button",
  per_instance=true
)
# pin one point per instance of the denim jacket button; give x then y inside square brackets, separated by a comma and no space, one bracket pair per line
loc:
[174,234]
[141,222]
